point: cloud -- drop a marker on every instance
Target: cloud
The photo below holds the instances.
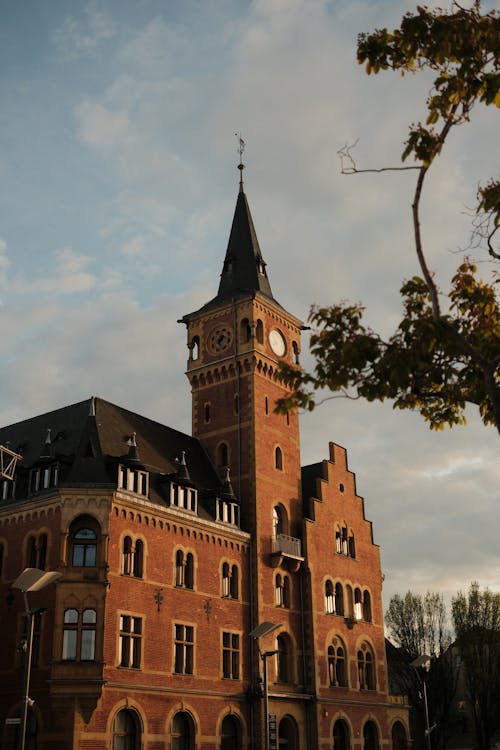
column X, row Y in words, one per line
column 69, row 276
column 78, row 37
column 101, row 127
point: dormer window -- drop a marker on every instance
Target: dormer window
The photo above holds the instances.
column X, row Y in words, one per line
column 44, row 477
column 8, row 489
column 133, row 480
column 185, row 498
column 228, row 512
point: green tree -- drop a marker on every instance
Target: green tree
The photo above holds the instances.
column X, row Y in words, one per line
column 417, row 625
column 476, row 619
column 439, row 358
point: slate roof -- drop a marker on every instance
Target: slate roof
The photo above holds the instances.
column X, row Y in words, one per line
column 90, row 437
column 244, row 271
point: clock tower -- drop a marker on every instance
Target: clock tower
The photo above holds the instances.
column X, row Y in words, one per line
column 236, row 343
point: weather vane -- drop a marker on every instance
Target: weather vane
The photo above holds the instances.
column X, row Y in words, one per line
column 241, row 166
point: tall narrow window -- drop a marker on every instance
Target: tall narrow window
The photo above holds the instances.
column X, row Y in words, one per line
column 231, row 655
column 337, row 672
column 127, row 556
column 137, row 562
column 189, row 571
column 126, row 730
column 370, row 736
column 259, row 332
column 341, row 739
column 183, row 649
column 179, row 568
column 234, row 583
column 266, row 405
column 329, row 598
column 1, row 559
column 183, row 732
column 230, row 733
column 284, row 658
column 366, row 671
column 278, row 591
column 225, row 579
column 367, row 606
column 206, row 412
column 222, row 455
column 339, row 599
column 278, row 458
column 84, row 535
column 130, row 641
column 358, row 604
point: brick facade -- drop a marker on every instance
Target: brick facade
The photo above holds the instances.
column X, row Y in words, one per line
column 147, row 645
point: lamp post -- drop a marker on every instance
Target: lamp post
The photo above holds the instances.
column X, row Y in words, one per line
column 261, row 630
column 31, row 579
column 424, row 662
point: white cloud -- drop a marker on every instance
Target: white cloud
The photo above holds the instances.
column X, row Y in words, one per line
column 69, row 276
column 78, row 37
column 101, row 127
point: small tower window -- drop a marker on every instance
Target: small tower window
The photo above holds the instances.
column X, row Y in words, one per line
column 278, row 458
column 206, row 412
column 266, row 405
column 259, row 332
column 295, row 349
column 194, row 349
column 236, row 404
column 222, row 455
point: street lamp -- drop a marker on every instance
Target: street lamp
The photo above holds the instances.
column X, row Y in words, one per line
column 31, row 579
column 261, row 630
column 424, row 662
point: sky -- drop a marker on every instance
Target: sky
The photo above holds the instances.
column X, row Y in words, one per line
column 118, row 165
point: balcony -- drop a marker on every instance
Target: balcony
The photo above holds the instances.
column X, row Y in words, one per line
column 286, row 548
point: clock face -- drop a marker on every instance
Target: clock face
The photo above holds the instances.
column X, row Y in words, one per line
column 277, row 341
column 219, row 340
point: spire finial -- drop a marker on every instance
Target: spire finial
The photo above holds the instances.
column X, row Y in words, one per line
column 241, row 166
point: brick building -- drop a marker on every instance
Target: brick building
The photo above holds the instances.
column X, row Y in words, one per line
column 174, row 548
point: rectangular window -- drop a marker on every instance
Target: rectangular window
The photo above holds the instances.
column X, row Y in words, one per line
column 184, row 649
column 133, row 480
column 79, row 635
column 130, row 641
column 231, row 655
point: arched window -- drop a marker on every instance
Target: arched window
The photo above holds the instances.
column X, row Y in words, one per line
column 234, row 586
column 399, row 738
column 138, row 560
column 206, row 411
column 222, row 455
column 245, row 331
column 367, row 606
column 278, row 458
column 183, row 733
column 280, row 521
column 230, row 733
column 341, row 739
column 366, row 668
column 339, row 599
column 344, row 542
column 195, row 348
column 127, row 556
column 189, row 572
column 179, row 568
column 358, row 604
column 36, row 551
column 329, row 598
column 284, row 658
column 184, row 569
column 259, row 332
column 288, row 736
column 350, row 601
column 225, row 579
column 337, row 671
column 126, row 730
column 370, row 736
column 84, row 538
column 286, row 592
column 278, row 590
column 295, row 349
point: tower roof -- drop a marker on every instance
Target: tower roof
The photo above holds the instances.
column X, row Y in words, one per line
column 244, row 271
column 244, row 268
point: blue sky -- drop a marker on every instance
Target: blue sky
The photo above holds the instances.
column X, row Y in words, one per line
column 118, row 167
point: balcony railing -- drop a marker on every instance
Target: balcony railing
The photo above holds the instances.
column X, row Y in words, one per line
column 287, row 545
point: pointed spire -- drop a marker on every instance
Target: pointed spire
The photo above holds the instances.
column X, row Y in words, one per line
column 183, row 471
column 47, row 445
column 133, row 453
column 227, row 488
column 244, row 268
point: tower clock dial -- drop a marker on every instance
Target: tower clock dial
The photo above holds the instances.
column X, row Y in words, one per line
column 219, row 339
column 277, row 342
